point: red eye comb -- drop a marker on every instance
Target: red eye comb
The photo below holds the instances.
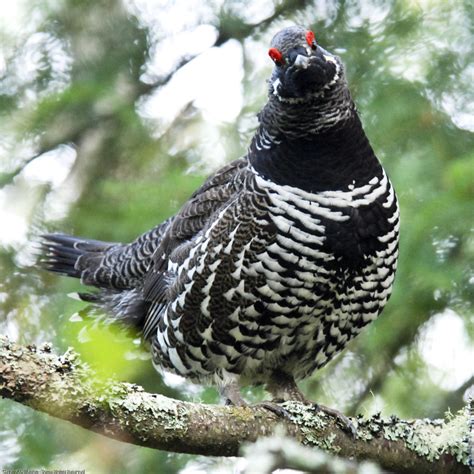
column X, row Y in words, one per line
column 310, row 38
column 276, row 55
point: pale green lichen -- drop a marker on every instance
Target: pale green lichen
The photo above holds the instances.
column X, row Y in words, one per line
column 167, row 413
column 310, row 420
column 432, row 439
column 306, row 415
column 427, row 438
column 363, row 434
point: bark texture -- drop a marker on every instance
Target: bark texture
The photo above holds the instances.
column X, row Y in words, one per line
column 66, row 388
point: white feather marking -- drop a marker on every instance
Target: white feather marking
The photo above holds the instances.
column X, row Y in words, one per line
column 390, row 198
column 217, row 249
column 182, row 296
column 321, row 357
column 270, row 263
column 367, row 317
column 228, row 247
column 204, row 306
column 229, row 294
column 275, row 307
column 161, row 342
column 389, row 281
column 390, row 235
column 172, row 266
column 283, row 252
column 289, row 244
column 176, row 361
column 334, row 332
column 240, row 290
column 207, row 334
column 304, row 293
column 251, row 312
column 395, row 217
column 265, row 290
column 196, row 352
column 275, row 85
column 369, row 285
column 213, row 266
column 276, row 285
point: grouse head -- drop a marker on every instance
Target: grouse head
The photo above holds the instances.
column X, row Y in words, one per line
column 302, row 68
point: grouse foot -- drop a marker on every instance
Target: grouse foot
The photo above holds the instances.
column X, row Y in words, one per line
column 283, row 388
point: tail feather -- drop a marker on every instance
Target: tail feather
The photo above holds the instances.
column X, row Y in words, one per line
column 63, row 254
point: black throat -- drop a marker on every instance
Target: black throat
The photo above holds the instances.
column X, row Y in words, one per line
column 330, row 159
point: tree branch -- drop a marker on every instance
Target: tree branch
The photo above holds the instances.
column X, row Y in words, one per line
column 66, row 388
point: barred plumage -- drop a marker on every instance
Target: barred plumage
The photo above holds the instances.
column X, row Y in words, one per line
column 278, row 260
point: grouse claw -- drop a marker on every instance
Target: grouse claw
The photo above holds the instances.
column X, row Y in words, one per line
column 345, row 423
column 275, row 408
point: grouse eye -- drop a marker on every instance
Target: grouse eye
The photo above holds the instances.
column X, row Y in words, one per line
column 310, row 39
column 276, row 55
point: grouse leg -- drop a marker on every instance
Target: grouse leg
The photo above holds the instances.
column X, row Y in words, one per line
column 283, row 387
column 230, row 392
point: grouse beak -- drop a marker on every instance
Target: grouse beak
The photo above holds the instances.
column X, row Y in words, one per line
column 301, row 62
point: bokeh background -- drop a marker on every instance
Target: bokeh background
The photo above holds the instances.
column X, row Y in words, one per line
column 113, row 112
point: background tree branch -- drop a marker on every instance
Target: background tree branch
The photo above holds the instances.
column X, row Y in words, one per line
column 66, row 388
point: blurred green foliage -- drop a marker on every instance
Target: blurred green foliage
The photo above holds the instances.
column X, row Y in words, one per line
column 81, row 73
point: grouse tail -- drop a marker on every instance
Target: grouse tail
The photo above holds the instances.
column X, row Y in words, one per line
column 74, row 256
column 87, row 259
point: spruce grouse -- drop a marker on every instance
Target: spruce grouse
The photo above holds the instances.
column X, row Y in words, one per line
column 278, row 260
